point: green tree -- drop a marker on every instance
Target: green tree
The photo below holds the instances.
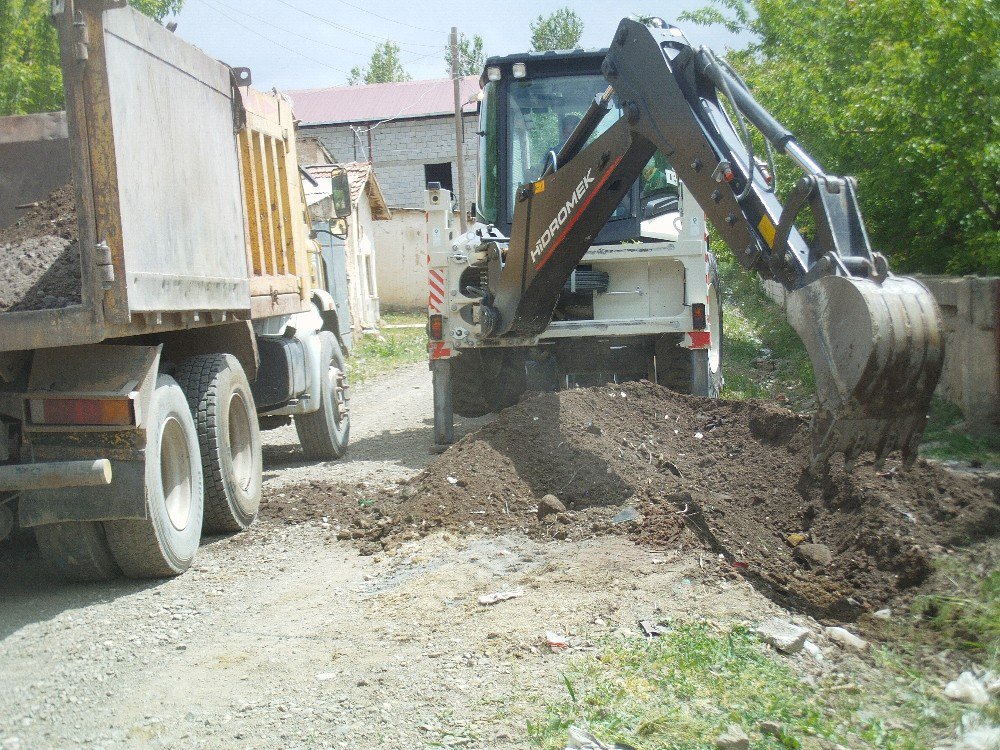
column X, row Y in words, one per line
column 384, row 67
column 30, row 77
column 903, row 94
column 471, row 57
column 558, row 30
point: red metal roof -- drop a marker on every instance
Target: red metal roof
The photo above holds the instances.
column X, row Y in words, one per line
column 380, row 101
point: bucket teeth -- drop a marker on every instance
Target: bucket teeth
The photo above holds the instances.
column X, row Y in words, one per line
column 876, row 352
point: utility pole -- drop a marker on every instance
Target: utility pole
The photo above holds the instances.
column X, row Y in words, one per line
column 463, row 208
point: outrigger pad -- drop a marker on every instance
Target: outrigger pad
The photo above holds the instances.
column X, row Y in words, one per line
column 876, row 351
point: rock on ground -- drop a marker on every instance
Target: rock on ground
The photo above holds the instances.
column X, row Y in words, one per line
column 783, row 635
column 846, row 638
column 734, row 738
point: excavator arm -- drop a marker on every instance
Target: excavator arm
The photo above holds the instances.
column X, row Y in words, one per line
column 873, row 338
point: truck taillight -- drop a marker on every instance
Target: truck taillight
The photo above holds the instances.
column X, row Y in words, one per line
column 435, row 328
column 81, row 411
column 698, row 321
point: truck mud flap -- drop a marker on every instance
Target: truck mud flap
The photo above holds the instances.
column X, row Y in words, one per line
column 117, row 500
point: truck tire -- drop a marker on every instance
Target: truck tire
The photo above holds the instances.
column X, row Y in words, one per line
column 225, row 417
column 77, row 551
column 487, row 380
column 164, row 543
column 325, row 432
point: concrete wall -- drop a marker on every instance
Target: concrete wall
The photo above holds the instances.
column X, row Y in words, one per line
column 362, row 273
column 970, row 306
column 399, row 151
column 401, row 254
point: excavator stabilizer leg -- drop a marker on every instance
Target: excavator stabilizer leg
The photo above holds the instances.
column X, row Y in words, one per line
column 876, row 350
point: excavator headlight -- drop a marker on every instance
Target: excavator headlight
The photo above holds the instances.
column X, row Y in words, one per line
column 519, row 70
column 493, row 73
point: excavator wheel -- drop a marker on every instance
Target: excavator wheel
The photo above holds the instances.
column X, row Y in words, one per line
column 485, row 381
column 696, row 371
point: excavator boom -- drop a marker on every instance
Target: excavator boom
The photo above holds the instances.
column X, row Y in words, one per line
column 874, row 339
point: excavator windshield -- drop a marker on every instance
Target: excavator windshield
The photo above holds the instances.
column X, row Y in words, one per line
column 541, row 115
column 538, row 116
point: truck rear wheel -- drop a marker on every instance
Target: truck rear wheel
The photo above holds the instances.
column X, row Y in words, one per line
column 164, row 543
column 487, row 380
column 77, row 550
column 324, row 433
column 225, row 417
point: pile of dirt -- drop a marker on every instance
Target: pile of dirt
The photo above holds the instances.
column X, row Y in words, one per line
column 40, row 256
column 673, row 470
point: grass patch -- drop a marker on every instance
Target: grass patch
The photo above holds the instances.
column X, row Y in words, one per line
column 964, row 612
column 383, row 351
column 681, row 690
column 943, row 441
column 763, row 357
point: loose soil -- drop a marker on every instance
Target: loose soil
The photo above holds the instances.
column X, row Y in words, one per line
column 40, row 256
column 674, row 471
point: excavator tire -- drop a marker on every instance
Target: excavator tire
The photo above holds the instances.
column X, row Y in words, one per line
column 675, row 366
column 485, row 381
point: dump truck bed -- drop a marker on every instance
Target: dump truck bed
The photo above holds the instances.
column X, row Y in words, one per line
column 188, row 200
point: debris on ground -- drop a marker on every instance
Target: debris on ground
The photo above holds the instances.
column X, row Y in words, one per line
column 744, row 492
column 783, row 635
column 581, row 739
column 555, row 641
column 550, row 505
column 771, row 728
column 734, row 738
column 652, row 629
column 846, row 639
column 500, row 596
column 967, row 689
column 40, row 256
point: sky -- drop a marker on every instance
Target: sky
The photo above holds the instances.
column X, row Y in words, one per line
column 296, row 44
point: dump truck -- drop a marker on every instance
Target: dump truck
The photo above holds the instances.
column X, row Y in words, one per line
column 570, row 268
column 193, row 314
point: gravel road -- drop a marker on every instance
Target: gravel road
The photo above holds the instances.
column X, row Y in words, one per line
column 284, row 638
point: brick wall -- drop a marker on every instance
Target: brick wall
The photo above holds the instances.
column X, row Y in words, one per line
column 400, row 149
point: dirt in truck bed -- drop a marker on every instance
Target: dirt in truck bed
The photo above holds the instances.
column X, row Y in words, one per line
column 40, row 256
column 729, row 477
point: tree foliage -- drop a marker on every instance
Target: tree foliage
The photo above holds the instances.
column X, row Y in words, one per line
column 384, row 67
column 471, row 57
column 561, row 29
column 30, row 77
column 903, row 94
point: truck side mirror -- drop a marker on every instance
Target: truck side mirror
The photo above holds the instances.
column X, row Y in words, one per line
column 340, row 193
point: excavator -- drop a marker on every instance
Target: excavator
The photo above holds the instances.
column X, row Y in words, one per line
column 874, row 339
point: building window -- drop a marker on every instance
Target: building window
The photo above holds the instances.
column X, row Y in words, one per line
column 439, row 173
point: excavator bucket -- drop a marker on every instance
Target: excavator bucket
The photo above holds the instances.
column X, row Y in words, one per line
column 876, row 350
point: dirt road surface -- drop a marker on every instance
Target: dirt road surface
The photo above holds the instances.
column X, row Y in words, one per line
column 285, row 638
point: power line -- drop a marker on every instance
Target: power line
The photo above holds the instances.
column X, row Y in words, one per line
column 289, row 31
column 387, row 18
column 323, row 42
column 276, row 43
column 355, row 32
